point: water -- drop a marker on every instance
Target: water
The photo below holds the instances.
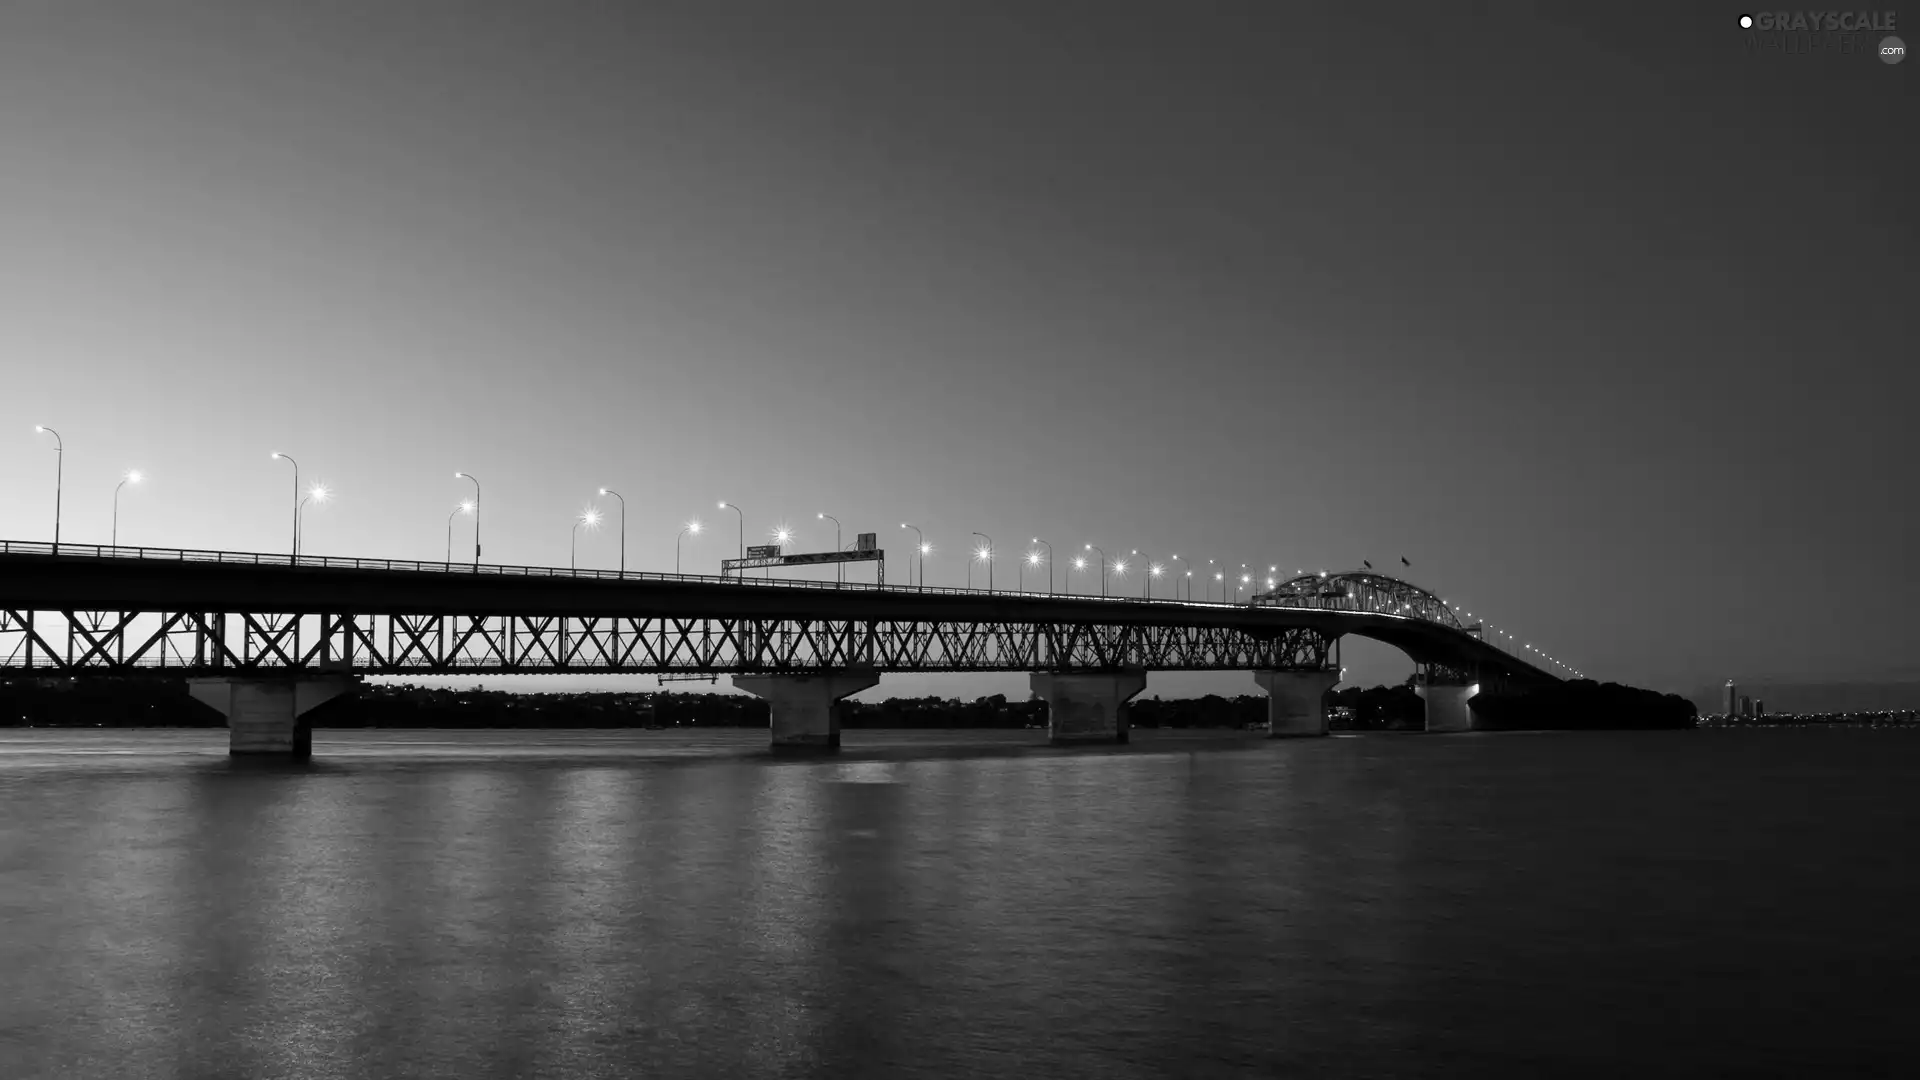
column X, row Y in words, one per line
column 608, row 904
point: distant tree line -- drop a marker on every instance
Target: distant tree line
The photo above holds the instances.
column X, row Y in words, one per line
column 1582, row 704
column 146, row 702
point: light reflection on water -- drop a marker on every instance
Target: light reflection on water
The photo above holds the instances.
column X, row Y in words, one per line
column 619, row 904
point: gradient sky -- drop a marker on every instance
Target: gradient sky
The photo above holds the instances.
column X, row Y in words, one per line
column 1600, row 319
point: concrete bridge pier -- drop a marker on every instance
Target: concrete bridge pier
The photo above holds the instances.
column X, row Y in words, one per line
column 1447, row 706
column 264, row 714
column 1087, row 708
column 805, row 710
column 1296, row 701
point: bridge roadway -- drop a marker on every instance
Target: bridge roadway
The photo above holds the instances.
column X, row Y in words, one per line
column 265, row 638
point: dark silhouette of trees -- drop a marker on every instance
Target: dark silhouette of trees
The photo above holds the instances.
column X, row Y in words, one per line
column 146, row 702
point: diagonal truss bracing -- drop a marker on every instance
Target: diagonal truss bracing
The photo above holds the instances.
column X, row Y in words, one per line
column 68, row 642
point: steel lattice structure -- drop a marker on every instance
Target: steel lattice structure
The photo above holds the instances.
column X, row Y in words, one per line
column 1359, row 592
column 104, row 611
column 198, row 643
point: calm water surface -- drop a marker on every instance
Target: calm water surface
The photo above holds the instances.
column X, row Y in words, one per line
column 639, row 904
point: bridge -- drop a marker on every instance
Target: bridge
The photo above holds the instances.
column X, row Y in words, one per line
column 265, row 638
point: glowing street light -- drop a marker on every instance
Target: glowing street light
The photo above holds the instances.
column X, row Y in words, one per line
column 1176, row 581
column 921, row 548
column 1049, row 548
column 59, row 478
column 840, row 569
column 318, row 494
column 1146, row 579
column 690, row 527
column 476, row 513
column 463, row 508
column 132, row 477
column 1189, row 586
column 296, row 500
column 724, row 505
column 1079, row 564
column 589, row 517
column 623, row 526
column 985, row 555
column 1103, row 568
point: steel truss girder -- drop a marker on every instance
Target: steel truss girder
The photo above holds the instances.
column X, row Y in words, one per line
column 198, row 643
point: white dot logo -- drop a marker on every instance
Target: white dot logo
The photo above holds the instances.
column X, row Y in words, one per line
column 1746, row 22
column 1892, row 50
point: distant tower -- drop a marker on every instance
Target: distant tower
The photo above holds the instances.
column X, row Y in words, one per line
column 1732, row 699
column 1746, row 705
column 1759, row 708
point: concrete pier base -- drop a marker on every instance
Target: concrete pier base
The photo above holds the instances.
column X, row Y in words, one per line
column 1447, row 708
column 264, row 715
column 1087, row 708
column 1296, row 701
column 805, row 710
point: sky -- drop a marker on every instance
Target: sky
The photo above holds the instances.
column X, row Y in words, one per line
column 1602, row 319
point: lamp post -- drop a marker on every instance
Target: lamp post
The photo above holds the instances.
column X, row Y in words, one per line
column 1103, row 568
column 132, row 477
column 987, row 557
column 591, row 519
column 690, row 527
column 296, row 501
column 743, row 528
column 59, row 478
column 921, row 548
column 1189, row 586
column 1147, row 574
column 623, row 527
column 318, row 494
column 840, row 569
column 1049, row 548
column 463, row 508
column 476, row 513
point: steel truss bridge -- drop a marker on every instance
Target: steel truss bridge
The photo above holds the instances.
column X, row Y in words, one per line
column 86, row 610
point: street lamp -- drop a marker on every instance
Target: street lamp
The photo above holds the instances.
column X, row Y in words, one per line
column 463, row 508
column 839, row 568
column 921, row 547
column 589, row 517
column 1176, row 581
column 296, row 501
column 476, row 514
column 1049, row 548
column 984, row 555
column 59, row 478
column 1245, row 579
column 743, row 525
column 1146, row 578
column 132, row 477
column 318, row 494
column 1189, row 586
column 1032, row 559
column 1103, row 568
column 690, row 527
column 623, row 526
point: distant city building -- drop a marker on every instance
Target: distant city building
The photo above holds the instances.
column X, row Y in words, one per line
column 1730, row 701
column 1746, row 705
column 1759, row 708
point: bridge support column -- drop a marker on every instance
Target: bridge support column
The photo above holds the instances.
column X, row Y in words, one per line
column 1447, row 706
column 805, row 709
column 1296, row 701
column 1084, row 708
column 264, row 715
